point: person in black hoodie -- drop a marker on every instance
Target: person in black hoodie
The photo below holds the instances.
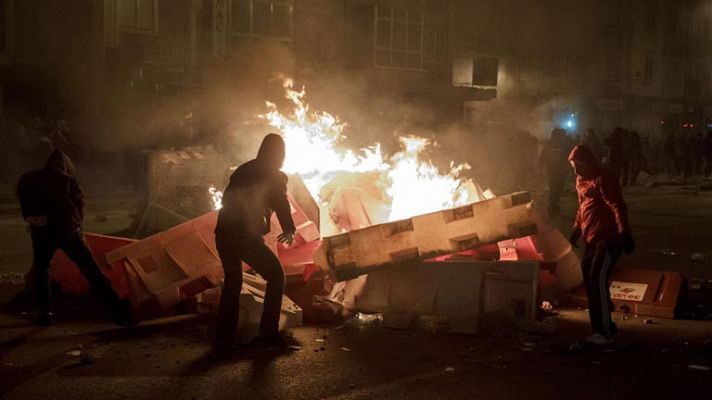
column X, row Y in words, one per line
column 52, row 204
column 553, row 162
column 256, row 190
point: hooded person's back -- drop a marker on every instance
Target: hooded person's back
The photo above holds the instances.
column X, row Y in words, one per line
column 602, row 212
column 256, row 189
column 54, row 193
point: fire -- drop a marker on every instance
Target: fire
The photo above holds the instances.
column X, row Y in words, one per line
column 312, row 140
column 414, row 186
column 418, row 187
column 217, row 197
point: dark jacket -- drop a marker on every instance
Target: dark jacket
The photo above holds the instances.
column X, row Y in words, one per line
column 255, row 191
column 602, row 214
column 54, row 193
column 553, row 156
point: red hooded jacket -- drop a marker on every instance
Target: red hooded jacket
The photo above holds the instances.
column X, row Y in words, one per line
column 602, row 214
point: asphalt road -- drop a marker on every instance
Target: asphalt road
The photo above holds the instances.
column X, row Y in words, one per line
column 167, row 358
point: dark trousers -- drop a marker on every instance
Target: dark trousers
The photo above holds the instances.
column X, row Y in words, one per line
column 625, row 172
column 597, row 265
column 45, row 244
column 261, row 259
column 556, row 187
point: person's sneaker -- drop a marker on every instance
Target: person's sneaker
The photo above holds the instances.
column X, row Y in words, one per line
column 44, row 319
column 598, row 339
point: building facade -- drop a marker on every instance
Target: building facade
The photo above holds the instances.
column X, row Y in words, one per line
column 509, row 63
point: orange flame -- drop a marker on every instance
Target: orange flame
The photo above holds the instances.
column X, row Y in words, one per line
column 415, row 186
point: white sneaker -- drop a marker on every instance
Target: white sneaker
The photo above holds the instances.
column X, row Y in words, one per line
column 598, row 339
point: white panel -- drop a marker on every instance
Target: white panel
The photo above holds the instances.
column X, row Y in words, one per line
column 462, row 68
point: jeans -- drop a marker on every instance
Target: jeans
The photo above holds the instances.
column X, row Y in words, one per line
column 255, row 253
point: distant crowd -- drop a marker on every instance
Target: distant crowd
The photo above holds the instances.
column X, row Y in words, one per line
column 688, row 154
column 626, row 154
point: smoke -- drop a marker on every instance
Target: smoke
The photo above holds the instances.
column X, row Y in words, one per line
column 131, row 98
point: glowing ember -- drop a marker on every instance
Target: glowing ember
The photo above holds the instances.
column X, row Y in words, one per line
column 414, row 186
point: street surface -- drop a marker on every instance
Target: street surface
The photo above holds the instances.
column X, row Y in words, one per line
column 83, row 356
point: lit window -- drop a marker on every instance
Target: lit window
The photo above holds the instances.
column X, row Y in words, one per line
column 261, row 18
column 398, row 39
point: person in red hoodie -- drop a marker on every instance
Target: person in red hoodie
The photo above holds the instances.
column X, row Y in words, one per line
column 602, row 221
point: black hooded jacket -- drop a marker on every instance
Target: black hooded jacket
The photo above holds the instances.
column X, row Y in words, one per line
column 256, row 189
column 54, row 193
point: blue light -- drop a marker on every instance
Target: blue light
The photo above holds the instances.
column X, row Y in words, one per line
column 569, row 122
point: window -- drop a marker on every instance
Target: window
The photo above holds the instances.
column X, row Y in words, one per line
column 261, row 18
column 398, row 41
column 478, row 72
column 138, row 16
column 435, row 46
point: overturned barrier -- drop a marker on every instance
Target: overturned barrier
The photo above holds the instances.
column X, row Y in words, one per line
column 398, row 243
column 167, row 268
column 170, row 267
column 69, row 277
column 459, row 291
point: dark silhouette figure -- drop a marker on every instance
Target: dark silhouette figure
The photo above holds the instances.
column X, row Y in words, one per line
column 697, row 152
column 553, row 162
column 602, row 221
column 669, row 154
column 630, row 161
column 523, row 152
column 616, row 151
column 52, row 204
column 590, row 139
column 256, row 190
column 682, row 154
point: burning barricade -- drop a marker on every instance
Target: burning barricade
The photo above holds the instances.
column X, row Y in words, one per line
column 429, row 265
column 374, row 234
